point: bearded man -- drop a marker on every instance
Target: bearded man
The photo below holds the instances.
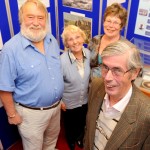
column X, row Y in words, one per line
column 31, row 81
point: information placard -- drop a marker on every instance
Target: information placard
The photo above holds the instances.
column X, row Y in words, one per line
column 142, row 26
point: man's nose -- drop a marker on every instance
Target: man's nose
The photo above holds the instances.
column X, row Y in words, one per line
column 35, row 21
column 109, row 75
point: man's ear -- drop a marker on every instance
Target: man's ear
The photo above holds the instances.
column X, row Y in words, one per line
column 135, row 73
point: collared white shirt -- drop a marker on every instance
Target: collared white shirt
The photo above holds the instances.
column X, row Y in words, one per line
column 80, row 63
column 118, row 107
column 108, row 119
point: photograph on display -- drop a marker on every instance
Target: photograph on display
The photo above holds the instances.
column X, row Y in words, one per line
column 20, row 2
column 83, row 22
column 45, row 2
column 84, row 4
column 142, row 26
column 109, row 2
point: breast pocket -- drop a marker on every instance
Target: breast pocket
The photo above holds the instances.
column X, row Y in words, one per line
column 28, row 68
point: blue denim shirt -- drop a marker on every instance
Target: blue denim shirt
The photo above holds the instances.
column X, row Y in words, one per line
column 33, row 78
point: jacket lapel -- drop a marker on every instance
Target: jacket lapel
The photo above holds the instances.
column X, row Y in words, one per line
column 125, row 125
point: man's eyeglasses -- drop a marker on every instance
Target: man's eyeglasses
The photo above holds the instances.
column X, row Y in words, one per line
column 116, row 72
column 115, row 23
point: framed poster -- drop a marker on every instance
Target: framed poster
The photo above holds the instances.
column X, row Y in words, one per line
column 84, row 4
column 83, row 22
column 139, row 20
column 142, row 26
column 46, row 2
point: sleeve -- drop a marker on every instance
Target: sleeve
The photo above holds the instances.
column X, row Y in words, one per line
column 8, row 71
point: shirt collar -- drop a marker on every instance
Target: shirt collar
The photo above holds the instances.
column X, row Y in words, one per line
column 73, row 58
column 119, row 106
column 26, row 42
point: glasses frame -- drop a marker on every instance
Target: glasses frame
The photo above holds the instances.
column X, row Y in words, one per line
column 103, row 66
column 115, row 23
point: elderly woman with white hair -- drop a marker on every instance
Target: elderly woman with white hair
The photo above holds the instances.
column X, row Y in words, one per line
column 76, row 74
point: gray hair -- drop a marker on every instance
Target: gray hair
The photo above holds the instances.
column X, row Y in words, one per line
column 121, row 47
column 39, row 5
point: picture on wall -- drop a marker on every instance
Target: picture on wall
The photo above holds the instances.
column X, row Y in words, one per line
column 45, row 2
column 109, row 2
column 142, row 26
column 84, row 4
column 83, row 22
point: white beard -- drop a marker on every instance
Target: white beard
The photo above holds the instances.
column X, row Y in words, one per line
column 31, row 33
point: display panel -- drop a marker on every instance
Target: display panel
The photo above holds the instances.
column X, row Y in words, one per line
column 85, row 16
column 83, row 22
column 139, row 17
column 142, row 26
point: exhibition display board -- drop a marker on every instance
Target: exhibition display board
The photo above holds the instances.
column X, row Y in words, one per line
column 88, row 15
column 84, row 14
column 139, row 20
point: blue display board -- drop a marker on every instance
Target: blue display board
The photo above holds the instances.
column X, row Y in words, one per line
column 104, row 5
column 84, row 14
column 4, row 27
column 14, row 14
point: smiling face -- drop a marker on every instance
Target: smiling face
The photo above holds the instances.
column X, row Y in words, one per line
column 34, row 24
column 74, row 41
column 112, row 26
column 117, row 86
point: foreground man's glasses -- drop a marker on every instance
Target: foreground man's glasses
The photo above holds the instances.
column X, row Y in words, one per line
column 116, row 72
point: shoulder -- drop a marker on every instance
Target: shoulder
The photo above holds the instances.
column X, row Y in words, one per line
column 94, row 42
column 137, row 92
column 96, row 39
column 141, row 98
column 13, row 41
column 87, row 51
column 51, row 37
column 96, row 84
column 64, row 56
column 12, row 45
